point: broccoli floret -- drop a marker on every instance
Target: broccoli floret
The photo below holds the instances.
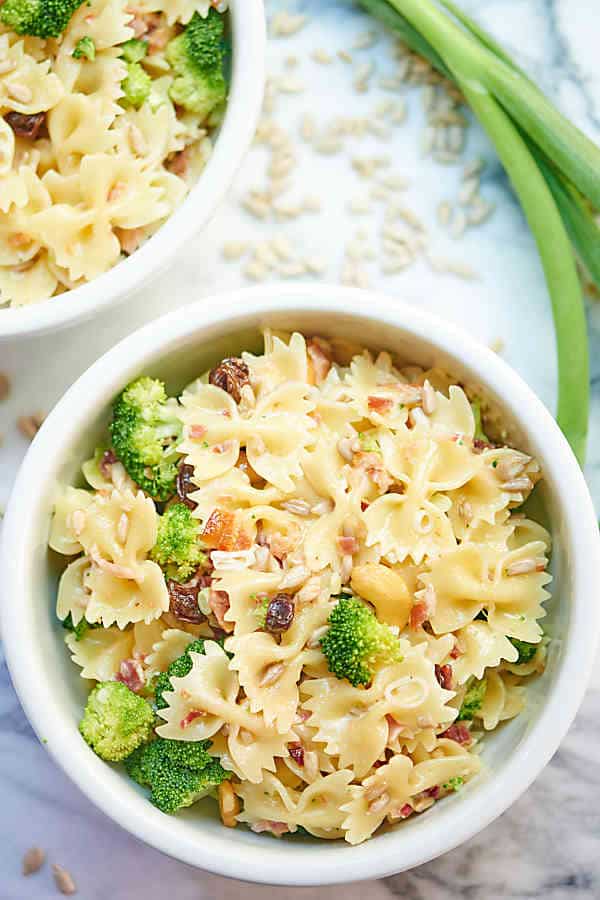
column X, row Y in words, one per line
column 145, row 432
column 115, row 721
column 78, row 630
column 472, row 700
column 177, row 772
column 85, row 48
column 356, row 643
column 178, row 668
column 196, row 57
column 136, row 86
column 177, row 549
column 479, row 434
column 40, row 18
column 526, row 650
column 134, row 50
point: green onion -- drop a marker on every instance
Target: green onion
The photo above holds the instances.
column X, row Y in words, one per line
column 552, row 165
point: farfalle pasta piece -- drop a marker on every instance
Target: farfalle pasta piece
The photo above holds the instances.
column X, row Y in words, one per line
column 27, row 284
column 281, row 361
column 480, row 647
column 244, row 589
column 100, row 651
column 508, row 585
column 26, row 85
column 504, row 698
column 168, row 647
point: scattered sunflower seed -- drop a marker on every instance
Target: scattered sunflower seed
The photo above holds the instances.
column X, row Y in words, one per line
column 30, row 425
column 33, row 860
column 4, row 386
column 64, row 880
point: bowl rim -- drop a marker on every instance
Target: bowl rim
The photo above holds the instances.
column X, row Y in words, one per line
column 236, row 133
column 284, row 863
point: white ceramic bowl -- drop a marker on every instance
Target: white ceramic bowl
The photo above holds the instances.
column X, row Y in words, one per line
column 233, row 139
column 177, row 348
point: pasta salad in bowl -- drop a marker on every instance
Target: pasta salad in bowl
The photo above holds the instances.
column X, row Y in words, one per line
column 301, row 570
column 109, row 111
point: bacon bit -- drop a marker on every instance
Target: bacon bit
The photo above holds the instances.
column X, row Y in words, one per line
column 405, row 811
column 479, row 446
column 444, row 676
column 192, row 716
column 394, row 728
column 347, row 546
column 459, row 733
column 297, row 753
column 129, row 239
column 282, row 544
column 364, row 505
column 179, row 163
column 108, row 459
column 131, row 674
column 433, row 792
column 116, row 191
column 319, row 354
column 455, row 652
column 379, row 405
column 276, row 828
column 219, row 604
column 408, row 394
column 418, row 614
column 303, row 715
column 219, row 532
column 26, row 126
column 372, row 464
column 197, row 432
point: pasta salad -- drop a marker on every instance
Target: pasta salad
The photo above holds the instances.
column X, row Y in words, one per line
column 106, row 111
column 304, row 587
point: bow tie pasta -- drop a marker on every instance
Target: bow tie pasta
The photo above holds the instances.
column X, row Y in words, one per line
column 304, row 586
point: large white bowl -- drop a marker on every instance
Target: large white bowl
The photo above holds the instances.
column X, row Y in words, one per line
column 248, row 35
column 177, row 348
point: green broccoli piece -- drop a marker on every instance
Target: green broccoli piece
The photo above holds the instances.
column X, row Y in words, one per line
column 260, row 610
column 177, row 772
column 356, row 643
column 526, row 650
column 39, row 18
column 145, row 432
column 78, row 630
column 196, row 57
column 472, row 700
column 454, row 784
column 116, row 721
column 178, row 668
column 479, row 434
column 177, row 550
column 134, row 50
column 136, row 86
column 85, row 48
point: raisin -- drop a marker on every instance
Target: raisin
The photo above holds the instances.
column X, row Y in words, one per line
column 280, row 614
column 231, row 375
column 296, row 751
column 183, row 598
column 26, row 126
column 444, row 676
column 185, row 485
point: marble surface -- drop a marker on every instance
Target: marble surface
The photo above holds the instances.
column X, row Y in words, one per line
column 548, row 844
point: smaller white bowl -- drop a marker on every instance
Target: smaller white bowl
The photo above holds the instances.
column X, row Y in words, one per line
column 248, row 34
column 177, row 347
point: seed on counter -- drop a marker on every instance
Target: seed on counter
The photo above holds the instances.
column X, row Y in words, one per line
column 4, row 386
column 33, row 860
column 64, row 880
column 30, row 425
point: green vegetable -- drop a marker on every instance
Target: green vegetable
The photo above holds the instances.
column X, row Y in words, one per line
column 526, row 650
column 40, row 18
column 85, row 48
column 136, row 86
column 368, row 442
column 178, row 669
column 177, row 772
column 479, row 434
column 145, row 431
column 115, row 721
column 134, row 50
column 454, row 784
column 78, row 630
column 177, row 550
column 552, row 165
column 196, row 57
column 356, row 643
column 260, row 611
column 472, row 700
